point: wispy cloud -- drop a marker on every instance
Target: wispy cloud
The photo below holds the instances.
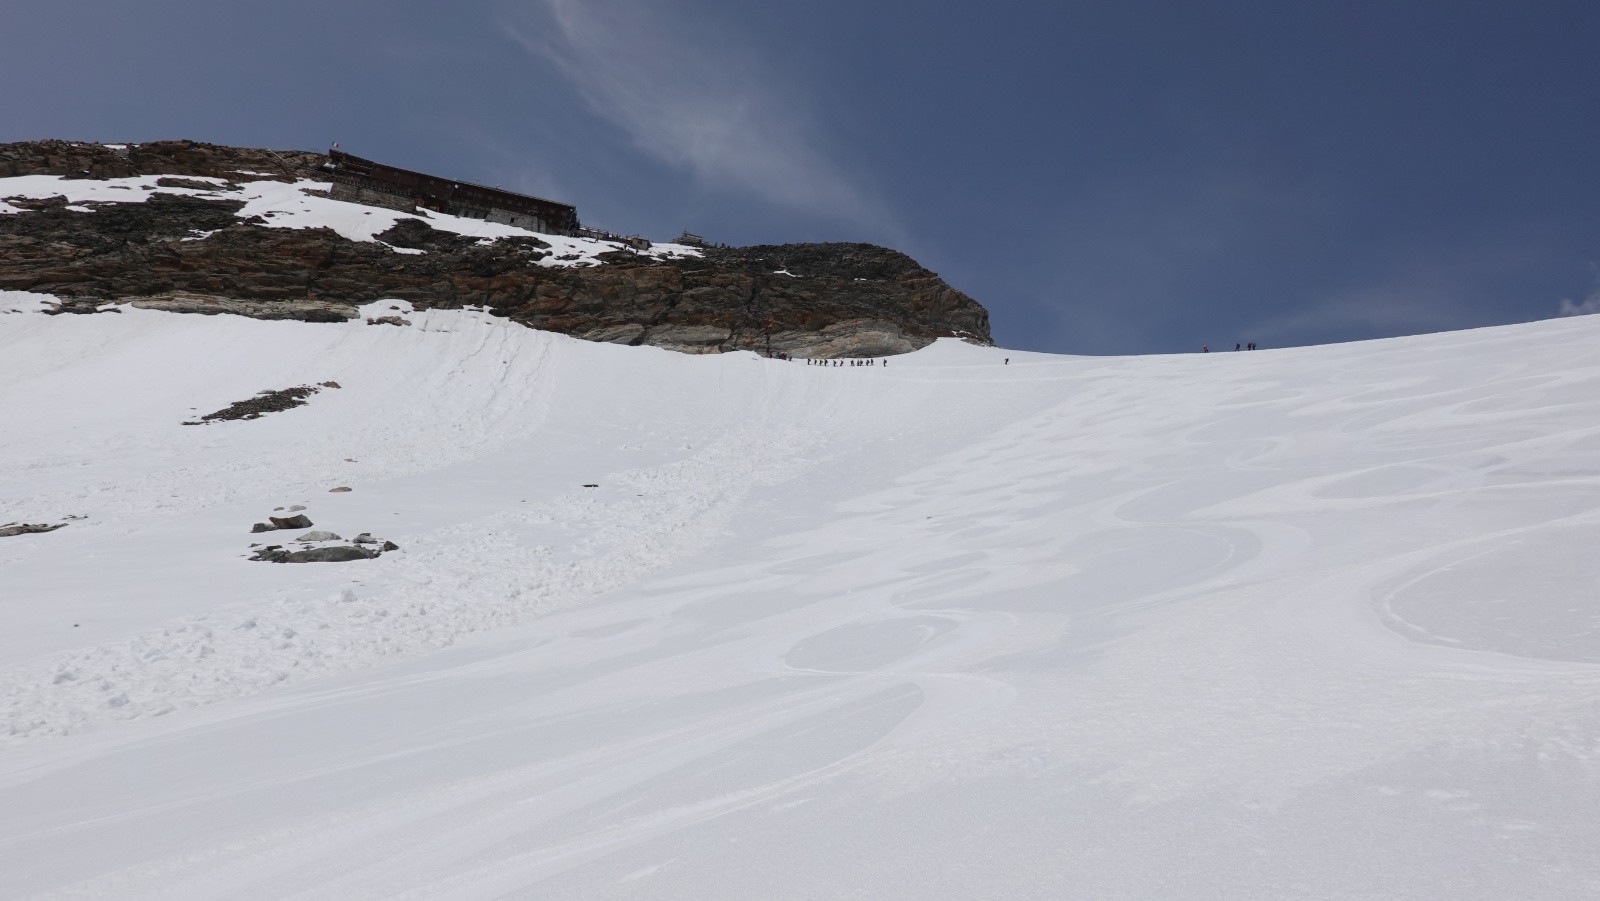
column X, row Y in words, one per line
column 1584, row 307
column 697, row 102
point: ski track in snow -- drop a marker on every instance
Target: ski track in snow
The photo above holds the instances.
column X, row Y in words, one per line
column 468, row 578
column 464, row 578
column 1316, row 623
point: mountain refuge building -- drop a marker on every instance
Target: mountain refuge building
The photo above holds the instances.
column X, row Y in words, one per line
column 372, row 183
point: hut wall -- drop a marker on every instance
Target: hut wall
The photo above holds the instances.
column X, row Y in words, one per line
column 370, row 196
column 364, row 181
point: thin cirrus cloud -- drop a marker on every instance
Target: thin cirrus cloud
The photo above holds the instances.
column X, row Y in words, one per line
column 707, row 109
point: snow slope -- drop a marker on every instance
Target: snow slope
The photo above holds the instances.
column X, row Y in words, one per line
column 1314, row 623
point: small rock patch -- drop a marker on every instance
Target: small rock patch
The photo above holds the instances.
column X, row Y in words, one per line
column 311, row 549
column 28, row 528
column 270, row 401
column 337, row 553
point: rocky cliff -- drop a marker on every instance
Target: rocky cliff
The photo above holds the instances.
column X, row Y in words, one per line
column 183, row 237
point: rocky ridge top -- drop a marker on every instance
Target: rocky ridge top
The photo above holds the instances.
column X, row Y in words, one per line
column 76, row 159
column 190, row 251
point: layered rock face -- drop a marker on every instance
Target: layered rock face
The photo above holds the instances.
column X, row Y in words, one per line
column 73, row 159
column 194, row 254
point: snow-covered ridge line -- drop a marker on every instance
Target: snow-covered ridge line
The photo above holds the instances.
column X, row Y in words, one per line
column 298, row 205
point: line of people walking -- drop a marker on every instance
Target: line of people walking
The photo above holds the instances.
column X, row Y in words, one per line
column 848, row 362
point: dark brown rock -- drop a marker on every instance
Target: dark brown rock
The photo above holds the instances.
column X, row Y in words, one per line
column 820, row 300
column 74, row 159
column 335, row 554
column 298, row 521
column 28, row 528
column 265, row 402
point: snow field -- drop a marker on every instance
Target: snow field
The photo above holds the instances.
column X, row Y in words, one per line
column 1315, row 623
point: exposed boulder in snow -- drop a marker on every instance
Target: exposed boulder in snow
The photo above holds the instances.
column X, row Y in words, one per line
column 297, row 521
column 324, row 547
column 337, row 553
column 27, row 528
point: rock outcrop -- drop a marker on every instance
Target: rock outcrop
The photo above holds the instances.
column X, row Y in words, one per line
column 75, row 159
column 194, row 254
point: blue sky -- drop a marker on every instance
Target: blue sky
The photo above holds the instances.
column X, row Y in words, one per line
column 1113, row 177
